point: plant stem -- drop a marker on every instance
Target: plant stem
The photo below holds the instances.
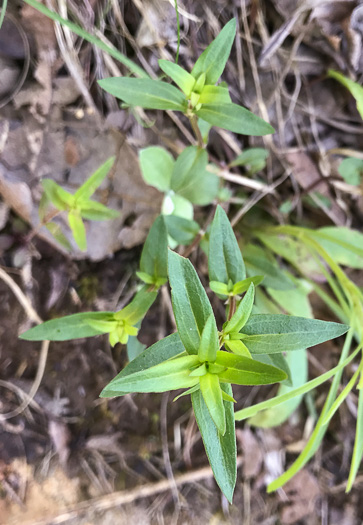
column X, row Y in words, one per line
column 197, row 133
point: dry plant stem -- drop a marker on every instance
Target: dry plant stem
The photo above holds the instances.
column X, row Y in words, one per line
column 110, row 501
column 194, row 124
column 32, row 314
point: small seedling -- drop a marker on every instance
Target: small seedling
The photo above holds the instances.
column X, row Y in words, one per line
column 79, row 205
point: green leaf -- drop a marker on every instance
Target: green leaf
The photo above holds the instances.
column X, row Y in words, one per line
column 344, row 245
column 156, row 167
column 244, row 371
column 209, row 341
column 251, row 157
column 159, row 352
column 212, row 395
column 358, row 444
column 225, row 261
column 190, row 163
column 299, row 391
column 203, row 190
column 59, row 197
column 140, row 304
column 134, row 346
column 351, row 169
column 294, row 251
column 90, row 186
column 78, row 229
column 268, row 334
column 242, row 314
column 214, row 58
column 237, row 347
column 275, row 416
column 182, row 230
column 214, row 95
column 355, row 89
column 190, row 302
column 174, row 204
column 154, row 256
column 242, row 286
column 147, row 93
column 74, row 326
column 169, row 375
column 234, row 118
column 56, row 230
column 221, row 450
column 204, row 127
column 219, row 288
column 95, row 211
column 182, row 78
column 259, row 263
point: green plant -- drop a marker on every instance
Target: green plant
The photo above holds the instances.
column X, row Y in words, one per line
column 249, row 348
column 79, row 205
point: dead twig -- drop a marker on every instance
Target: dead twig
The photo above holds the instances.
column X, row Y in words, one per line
column 32, row 314
column 110, row 501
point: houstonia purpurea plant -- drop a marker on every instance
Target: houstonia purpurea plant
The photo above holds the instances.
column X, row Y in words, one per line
column 79, row 205
column 202, row 359
column 198, row 358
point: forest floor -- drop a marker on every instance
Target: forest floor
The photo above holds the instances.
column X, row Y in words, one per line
column 69, row 456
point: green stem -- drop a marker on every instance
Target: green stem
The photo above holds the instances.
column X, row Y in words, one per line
column 197, row 133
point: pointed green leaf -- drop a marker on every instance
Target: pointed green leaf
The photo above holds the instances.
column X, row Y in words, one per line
column 219, row 288
column 200, row 371
column 159, row 352
column 95, row 211
column 259, row 263
column 205, row 128
column 59, row 197
column 212, row 395
column 78, row 229
column 344, row 245
column 214, row 58
column 355, row 88
column 237, row 347
column 291, row 394
column 250, row 157
column 156, row 167
column 244, row 371
column 267, row 334
column 214, row 95
column 144, row 92
column 275, row 416
column 209, row 346
column 242, row 286
column 191, row 305
column 358, row 444
column 221, row 450
column 182, row 78
column 169, row 375
column 183, row 231
column 243, row 312
column 137, row 309
column 225, row 259
column 56, row 230
column 234, row 118
column 134, row 347
column 154, row 256
column 74, row 326
column 90, row 186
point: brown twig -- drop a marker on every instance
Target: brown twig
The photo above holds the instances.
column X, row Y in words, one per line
column 110, row 501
